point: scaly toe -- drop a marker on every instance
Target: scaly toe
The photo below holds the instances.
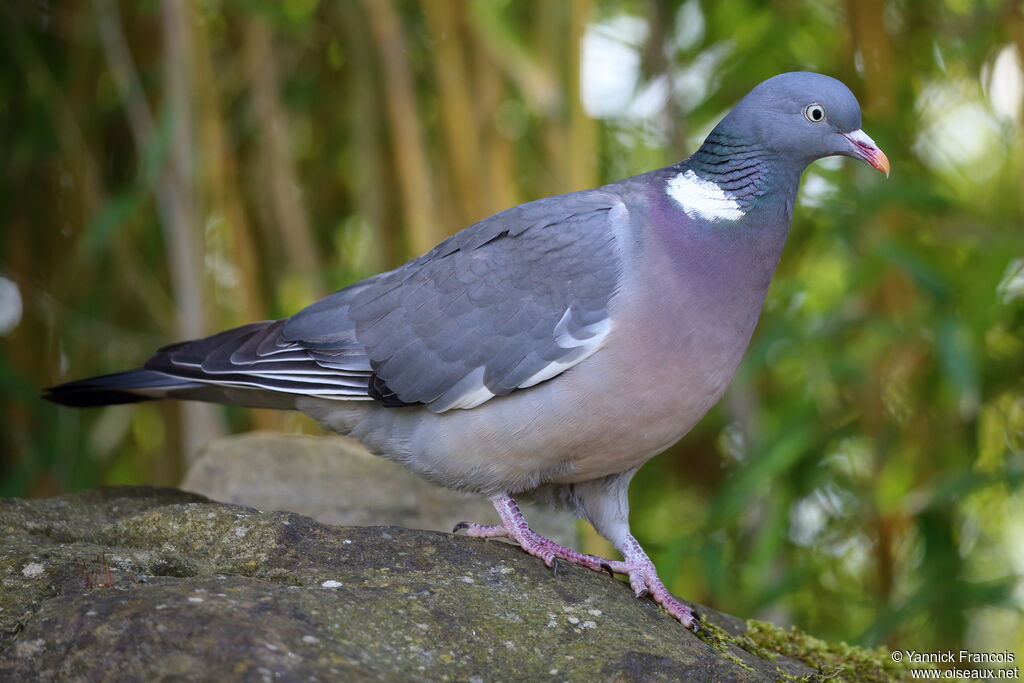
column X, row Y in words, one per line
column 686, row 616
column 638, row 583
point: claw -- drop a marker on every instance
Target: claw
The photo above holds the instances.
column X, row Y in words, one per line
column 460, row 526
column 554, row 566
column 695, row 622
column 607, row 567
column 642, row 593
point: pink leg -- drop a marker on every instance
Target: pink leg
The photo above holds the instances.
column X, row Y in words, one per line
column 515, row 528
column 643, row 578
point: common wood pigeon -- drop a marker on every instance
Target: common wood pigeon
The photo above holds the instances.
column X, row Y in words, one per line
column 548, row 351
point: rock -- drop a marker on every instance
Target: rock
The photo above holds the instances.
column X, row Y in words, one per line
column 129, row 583
column 335, row 480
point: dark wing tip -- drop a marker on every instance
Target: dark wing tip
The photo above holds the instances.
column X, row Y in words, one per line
column 88, row 398
column 106, row 390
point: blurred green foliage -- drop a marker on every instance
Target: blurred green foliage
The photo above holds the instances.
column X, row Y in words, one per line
column 173, row 168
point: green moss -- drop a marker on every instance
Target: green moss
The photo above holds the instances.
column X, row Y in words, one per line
column 724, row 643
column 832, row 660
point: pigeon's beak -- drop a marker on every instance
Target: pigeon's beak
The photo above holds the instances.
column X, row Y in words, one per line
column 865, row 149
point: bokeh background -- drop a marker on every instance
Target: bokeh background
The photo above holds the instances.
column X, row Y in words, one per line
column 173, row 168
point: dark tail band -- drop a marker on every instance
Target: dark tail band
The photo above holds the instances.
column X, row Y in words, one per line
column 120, row 387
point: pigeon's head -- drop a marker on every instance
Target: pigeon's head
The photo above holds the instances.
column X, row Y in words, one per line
column 803, row 117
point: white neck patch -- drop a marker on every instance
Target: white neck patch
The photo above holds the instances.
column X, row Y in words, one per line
column 703, row 199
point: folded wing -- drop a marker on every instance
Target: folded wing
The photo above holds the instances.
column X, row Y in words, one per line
column 510, row 302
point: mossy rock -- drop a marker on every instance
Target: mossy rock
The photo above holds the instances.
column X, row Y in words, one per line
column 155, row 584
column 335, row 480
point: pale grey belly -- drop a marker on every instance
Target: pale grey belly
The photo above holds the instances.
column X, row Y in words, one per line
column 632, row 399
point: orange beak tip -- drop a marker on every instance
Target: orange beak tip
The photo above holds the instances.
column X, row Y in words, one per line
column 881, row 162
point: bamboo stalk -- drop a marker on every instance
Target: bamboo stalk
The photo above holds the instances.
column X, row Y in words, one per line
column 277, row 168
column 407, row 146
column 500, row 186
column 871, row 41
column 200, row 422
column 582, row 158
column 509, row 52
column 178, row 195
column 223, row 196
column 366, row 116
column 658, row 64
column 549, row 25
column 460, row 126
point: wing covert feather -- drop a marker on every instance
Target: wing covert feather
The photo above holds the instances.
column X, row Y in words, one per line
column 477, row 316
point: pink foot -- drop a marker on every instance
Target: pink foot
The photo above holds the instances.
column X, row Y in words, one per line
column 516, row 529
column 643, row 578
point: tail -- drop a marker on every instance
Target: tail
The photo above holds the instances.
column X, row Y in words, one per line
column 253, row 366
column 120, row 387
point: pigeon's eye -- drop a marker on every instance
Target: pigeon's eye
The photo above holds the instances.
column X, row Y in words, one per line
column 815, row 113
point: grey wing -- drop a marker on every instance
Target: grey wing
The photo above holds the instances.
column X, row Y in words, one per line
column 510, row 302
